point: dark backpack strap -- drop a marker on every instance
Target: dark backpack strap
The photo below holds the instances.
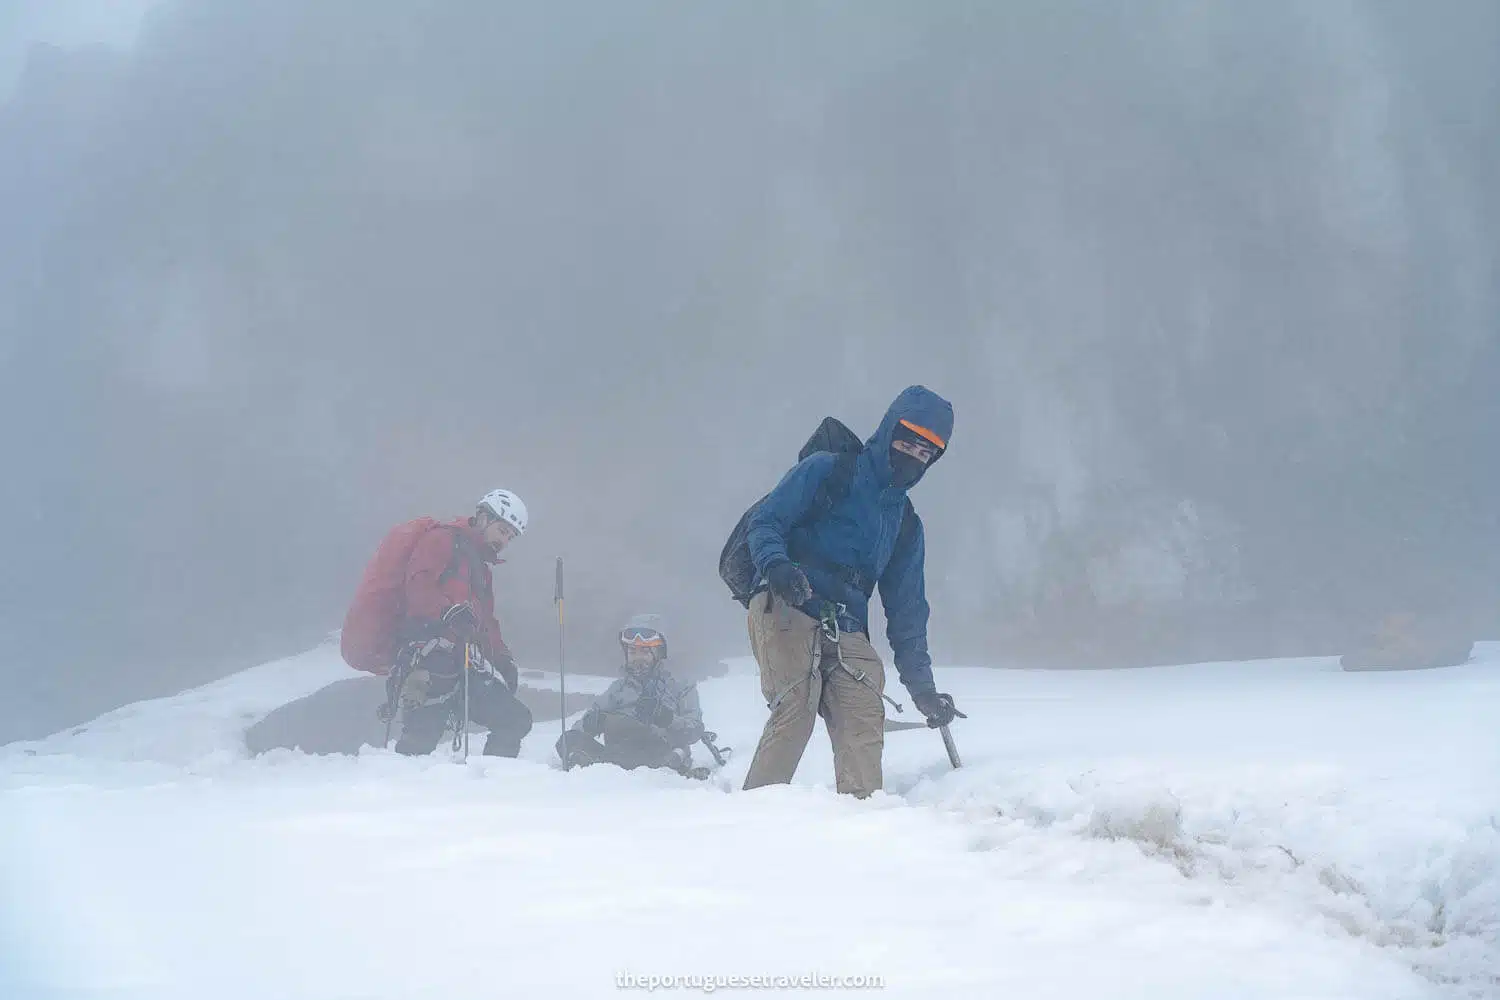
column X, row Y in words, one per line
column 841, row 480
column 451, row 570
column 833, row 490
column 737, row 568
column 908, row 523
column 464, row 551
column 479, row 575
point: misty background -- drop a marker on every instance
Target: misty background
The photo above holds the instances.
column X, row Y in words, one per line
column 1213, row 287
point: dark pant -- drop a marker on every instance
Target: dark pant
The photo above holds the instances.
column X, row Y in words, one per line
column 491, row 705
column 626, row 743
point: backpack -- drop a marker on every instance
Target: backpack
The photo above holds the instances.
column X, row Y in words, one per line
column 371, row 636
column 737, row 568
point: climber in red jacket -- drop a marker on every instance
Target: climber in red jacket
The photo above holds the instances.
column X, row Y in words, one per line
column 426, row 597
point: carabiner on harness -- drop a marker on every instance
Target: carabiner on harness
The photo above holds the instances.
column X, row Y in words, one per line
column 829, row 622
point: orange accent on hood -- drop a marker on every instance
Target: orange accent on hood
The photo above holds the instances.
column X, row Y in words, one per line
column 923, row 432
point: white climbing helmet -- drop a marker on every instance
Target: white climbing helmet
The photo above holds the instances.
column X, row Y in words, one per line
column 507, row 507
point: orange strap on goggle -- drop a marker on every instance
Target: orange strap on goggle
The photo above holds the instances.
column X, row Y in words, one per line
column 923, row 432
column 641, row 637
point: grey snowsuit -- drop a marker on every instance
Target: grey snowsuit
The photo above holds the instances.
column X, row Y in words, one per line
column 646, row 721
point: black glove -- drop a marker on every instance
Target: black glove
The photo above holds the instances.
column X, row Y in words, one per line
column 461, row 622
column 937, row 707
column 788, row 582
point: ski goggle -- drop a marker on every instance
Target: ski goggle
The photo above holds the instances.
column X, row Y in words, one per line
column 641, row 638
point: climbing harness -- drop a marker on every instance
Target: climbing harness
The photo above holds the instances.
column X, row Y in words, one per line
column 829, row 629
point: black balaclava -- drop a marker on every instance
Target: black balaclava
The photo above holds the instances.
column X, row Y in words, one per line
column 906, row 471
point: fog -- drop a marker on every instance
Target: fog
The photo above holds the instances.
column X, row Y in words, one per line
column 1213, row 288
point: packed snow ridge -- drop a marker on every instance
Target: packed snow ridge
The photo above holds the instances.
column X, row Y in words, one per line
column 1267, row 829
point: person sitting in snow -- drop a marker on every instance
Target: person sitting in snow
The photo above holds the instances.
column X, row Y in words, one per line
column 645, row 719
column 449, row 604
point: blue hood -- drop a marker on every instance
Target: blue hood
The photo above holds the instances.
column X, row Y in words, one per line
column 873, row 531
column 921, row 406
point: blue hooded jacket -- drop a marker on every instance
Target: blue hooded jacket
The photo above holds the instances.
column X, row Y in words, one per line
column 861, row 532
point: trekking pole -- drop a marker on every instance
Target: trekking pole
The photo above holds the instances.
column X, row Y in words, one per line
column 471, row 654
column 387, row 711
column 562, row 687
column 461, row 734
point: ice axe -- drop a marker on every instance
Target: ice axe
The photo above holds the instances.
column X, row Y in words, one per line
column 892, row 726
column 720, row 754
column 947, row 735
column 948, row 745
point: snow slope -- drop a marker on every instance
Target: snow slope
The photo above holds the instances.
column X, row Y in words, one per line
column 1269, row 829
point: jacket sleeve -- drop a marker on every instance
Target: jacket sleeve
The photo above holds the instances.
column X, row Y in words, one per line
column 687, row 728
column 776, row 515
column 903, row 593
column 425, row 600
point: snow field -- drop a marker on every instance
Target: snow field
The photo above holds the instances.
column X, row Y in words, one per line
column 1264, row 829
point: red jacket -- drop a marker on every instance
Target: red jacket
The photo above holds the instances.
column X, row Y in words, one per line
column 448, row 568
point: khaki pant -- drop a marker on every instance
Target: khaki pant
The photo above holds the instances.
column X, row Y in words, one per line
column 783, row 641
